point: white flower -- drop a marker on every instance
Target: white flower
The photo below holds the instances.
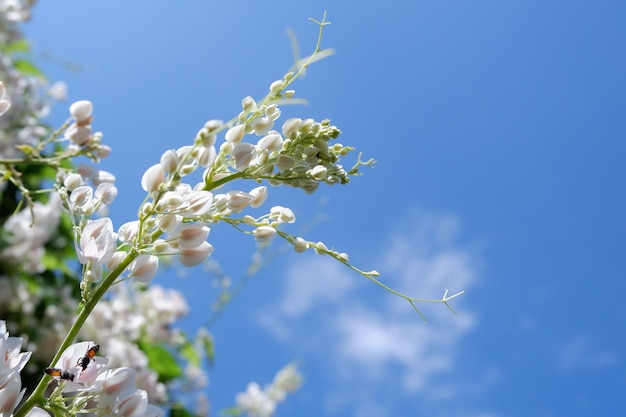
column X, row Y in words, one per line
column 238, row 200
column 128, row 231
column 191, row 236
column 169, row 222
column 11, row 363
column 255, row 402
column 272, row 142
column 169, row 160
column 199, row 202
column 259, row 195
column 81, row 110
column 106, row 193
column 11, row 392
column 97, row 242
column 290, row 127
column 262, row 125
column 152, row 178
column 282, row 214
column 300, row 245
column 144, row 268
column 235, row 134
column 243, row 153
column 263, row 234
column 193, row 256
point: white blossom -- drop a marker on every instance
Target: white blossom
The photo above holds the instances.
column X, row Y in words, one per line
column 144, row 268
column 97, row 242
column 264, row 234
column 193, row 256
column 12, row 361
column 152, row 178
column 81, row 110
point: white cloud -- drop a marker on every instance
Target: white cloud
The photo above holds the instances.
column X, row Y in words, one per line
column 578, row 353
column 374, row 341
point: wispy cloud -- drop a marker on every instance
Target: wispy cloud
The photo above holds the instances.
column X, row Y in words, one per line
column 373, row 340
column 579, row 353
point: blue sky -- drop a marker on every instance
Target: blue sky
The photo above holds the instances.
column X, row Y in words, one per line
column 499, row 129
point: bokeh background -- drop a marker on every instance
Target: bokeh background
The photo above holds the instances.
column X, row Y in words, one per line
column 499, row 130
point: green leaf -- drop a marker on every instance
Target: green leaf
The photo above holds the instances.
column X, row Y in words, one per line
column 232, row 411
column 178, row 410
column 189, row 352
column 27, row 149
column 162, row 361
column 207, row 342
column 18, row 46
column 28, row 68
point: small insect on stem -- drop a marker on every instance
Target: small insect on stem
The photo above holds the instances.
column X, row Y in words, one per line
column 89, row 356
column 56, row 372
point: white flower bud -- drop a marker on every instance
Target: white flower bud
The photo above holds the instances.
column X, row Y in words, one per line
column 263, row 234
column 306, row 125
column 128, row 231
column 238, row 200
column 235, row 134
column 169, row 160
column 259, row 195
column 106, row 192
column 144, row 268
column 272, row 142
column 169, row 222
column 118, row 256
column 103, row 176
column 248, row 219
column 276, row 86
column 243, row 153
column 248, row 105
column 290, row 127
column 80, row 135
column 207, row 156
column 213, row 125
column 193, row 256
column 191, row 236
column 199, row 202
column 103, row 151
column 289, row 93
column 343, row 257
column 73, row 181
column 282, row 214
column 320, row 248
column 152, row 178
column 300, row 245
column 262, row 125
column 318, row 172
column 81, row 196
column 81, row 110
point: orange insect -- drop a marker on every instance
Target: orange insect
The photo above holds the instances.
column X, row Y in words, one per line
column 89, row 356
column 56, row 372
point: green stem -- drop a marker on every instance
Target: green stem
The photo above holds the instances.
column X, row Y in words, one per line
column 37, row 396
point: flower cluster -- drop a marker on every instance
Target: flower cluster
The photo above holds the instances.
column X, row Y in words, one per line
column 129, row 317
column 27, row 232
column 257, row 402
column 93, row 388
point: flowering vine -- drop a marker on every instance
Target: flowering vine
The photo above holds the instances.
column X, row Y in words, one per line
column 173, row 222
